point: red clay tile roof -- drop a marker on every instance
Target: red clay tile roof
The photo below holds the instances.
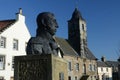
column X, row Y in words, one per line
column 5, row 24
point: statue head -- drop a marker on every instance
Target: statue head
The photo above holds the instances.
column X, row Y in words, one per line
column 46, row 22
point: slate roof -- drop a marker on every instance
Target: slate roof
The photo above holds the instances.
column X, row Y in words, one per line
column 68, row 50
column 76, row 15
column 4, row 24
column 65, row 47
column 112, row 63
column 101, row 64
column 89, row 54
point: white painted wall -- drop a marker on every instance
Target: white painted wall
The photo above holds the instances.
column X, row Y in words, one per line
column 109, row 72
column 17, row 31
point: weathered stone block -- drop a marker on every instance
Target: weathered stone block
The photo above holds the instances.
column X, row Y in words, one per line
column 39, row 67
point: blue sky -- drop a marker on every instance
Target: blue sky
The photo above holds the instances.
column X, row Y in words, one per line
column 102, row 17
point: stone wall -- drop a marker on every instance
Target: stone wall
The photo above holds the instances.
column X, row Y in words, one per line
column 39, row 67
column 59, row 66
column 82, row 72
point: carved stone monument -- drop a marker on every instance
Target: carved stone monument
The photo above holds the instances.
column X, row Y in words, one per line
column 42, row 61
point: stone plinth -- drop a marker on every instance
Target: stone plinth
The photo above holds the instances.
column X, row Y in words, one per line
column 40, row 67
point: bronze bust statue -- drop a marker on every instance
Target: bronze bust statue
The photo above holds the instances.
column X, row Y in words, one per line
column 44, row 42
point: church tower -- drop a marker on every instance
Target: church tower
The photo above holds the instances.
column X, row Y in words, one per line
column 77, row 35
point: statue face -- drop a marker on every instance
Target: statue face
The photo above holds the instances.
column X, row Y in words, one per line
column 52, row 24
column 46, row 22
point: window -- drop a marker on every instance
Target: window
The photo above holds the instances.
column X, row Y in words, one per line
column 84, row 69
column 2, row 42
column 69, row 66
column 95, row 78
column 69, row 77
column 13, row 62
column 94, row 68
column 91, row 78
column 2, row 62
column 101, row 69
column 77, row 66
column 15, row 44
column 61, row 76
column 90, row 67
column 75, row 77
column 84, row 42
column 107, row 69
column 83, row 26
column 1, row 78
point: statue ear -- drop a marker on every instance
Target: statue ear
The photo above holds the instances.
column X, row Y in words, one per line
column 43, row 22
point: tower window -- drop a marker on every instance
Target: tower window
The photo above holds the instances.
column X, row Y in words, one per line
column 83, row 27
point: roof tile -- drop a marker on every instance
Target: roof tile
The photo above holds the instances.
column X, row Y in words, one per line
column 5, row 24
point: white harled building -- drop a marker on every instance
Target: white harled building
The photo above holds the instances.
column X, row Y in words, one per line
column 14, row 36
column 104, row 71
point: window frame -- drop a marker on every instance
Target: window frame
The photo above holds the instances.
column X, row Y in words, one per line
column 107, row 69
column 77, row 67
column 101, row 69
column 1, row 78
column 61, row 76
column 83, row 27
column 12, row 66
column 94, row 67
column 75, row 77
column 3, row 42
column 90, row 67
column 2, row 62
column 15, row 44
column 84, row 68
column 70, row 66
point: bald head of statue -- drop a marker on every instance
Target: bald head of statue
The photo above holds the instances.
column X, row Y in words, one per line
column 46, row 22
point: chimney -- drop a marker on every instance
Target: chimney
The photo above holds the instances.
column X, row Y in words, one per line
column 20, row 11
column 103, row 59
column 20, row 16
